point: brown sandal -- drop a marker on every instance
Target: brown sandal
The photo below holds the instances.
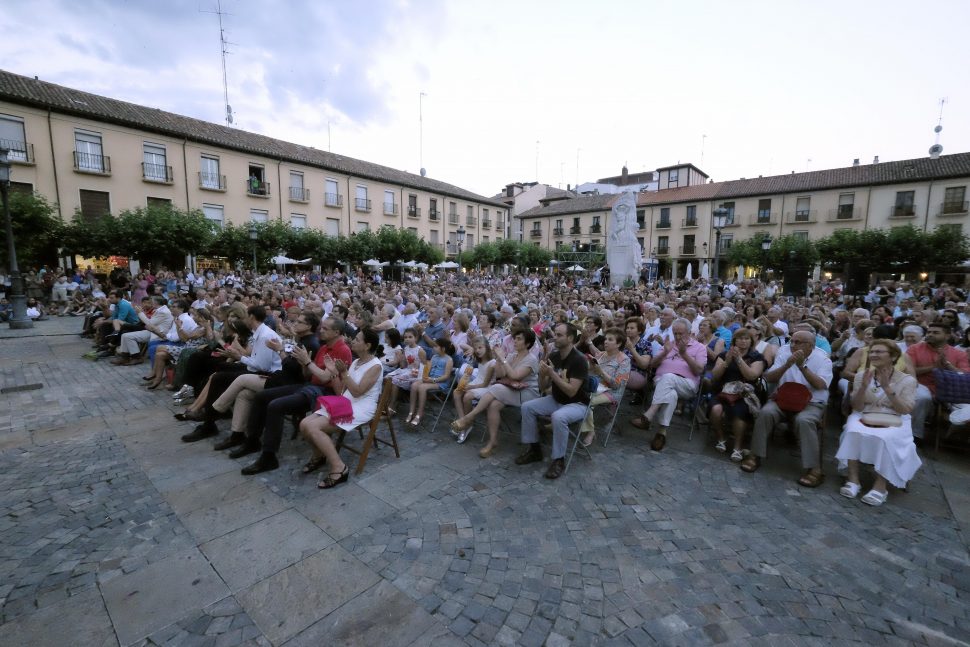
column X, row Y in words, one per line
column 751, row 463
column 812, row 478
column 314, row 464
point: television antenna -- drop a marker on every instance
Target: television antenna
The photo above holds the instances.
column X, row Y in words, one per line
column 224, row 45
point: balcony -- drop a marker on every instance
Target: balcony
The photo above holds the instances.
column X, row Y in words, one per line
column 536, row 233
column 732, row 221
column 212, row 182
column 663, row 251
column 763, row 219
column 558, row 231
column 361, row 204
column 907, row 211
column 257, row 188
column 434, row 214
column 954, row 208
column 688, row 250
column 299, row 194
column 801, row 217
column 471, row 221
column 486, row 224
column 414, row 211
column 159, row 173
column 663, row 224
column 641, row 225
column 390, row 209
column 452, row 218
column 688, row 223
column 595, row 229
column 18, row 152
column 91, row 163
column 333, row 200
column 575, row 229
column 845, row 213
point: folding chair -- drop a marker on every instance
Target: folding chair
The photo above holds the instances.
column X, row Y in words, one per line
column 616, row 409
column 444, row 401
column 372, row 438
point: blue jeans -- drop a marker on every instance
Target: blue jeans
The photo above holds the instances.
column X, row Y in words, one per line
column 562, row 416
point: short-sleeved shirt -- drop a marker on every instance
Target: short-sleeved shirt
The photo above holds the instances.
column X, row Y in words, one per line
column 924, row 355
column 731, row 371
column 337, row 350
column 572, row 366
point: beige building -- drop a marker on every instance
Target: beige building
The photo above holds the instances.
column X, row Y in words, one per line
column 675, row 222
column 95, row 154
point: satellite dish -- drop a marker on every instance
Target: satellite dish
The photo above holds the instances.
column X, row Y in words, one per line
column 935, row 150
column 424, row 172
column 938, row 129
column 228, row 113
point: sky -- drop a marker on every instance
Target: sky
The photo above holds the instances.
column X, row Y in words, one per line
column 559, row 92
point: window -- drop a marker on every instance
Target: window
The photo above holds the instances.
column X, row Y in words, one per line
column 363, row 226
column 154, row 167
column 433, row 238
column 389, row 206
column 802, row 209
column 954, row 199
column 663, row 245
column 209, row 177
column 332, row 196
column 164, row 203
column 596, row 221
column 536, row 227
column 88, row 155
column 641, row 219
column 298, row 221
column 726, row 241
column 664, row 217
column 361, row 203
column 904, row 204
column 640, row 241
column 257, row 184
column 470, row 212
column 12, row 138
column 575, row 227
column 846, row 206
column 452, row 208
column 258, row 215
column 673, row 178
column 413, row 230
column 558, row 227
column 689, row 244
column 469, row 241
column 94, row 204
column 433, row 207
column 485, row 240
column 730, row 212
column 956, row 230
column 691, row 220
column 215, row 213
column 297, row 191
column 800, row 235
column 333, row 227
column 764, row 211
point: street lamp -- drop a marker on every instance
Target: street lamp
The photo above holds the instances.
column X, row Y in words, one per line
column 253, row 236
column 765, row 247
column 461, row 241
column 720, row 221
column 18, row 300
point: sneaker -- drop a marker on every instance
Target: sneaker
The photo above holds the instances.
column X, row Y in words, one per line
column 181, row 392
column 721, row 446
column 737, row 455
column 532, row 454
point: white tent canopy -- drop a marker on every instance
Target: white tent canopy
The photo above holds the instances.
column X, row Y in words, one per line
column 409, row 264
column 373, row 262
column 447, row 265
column 283, row 259
column 422, row 266
column 576, row 268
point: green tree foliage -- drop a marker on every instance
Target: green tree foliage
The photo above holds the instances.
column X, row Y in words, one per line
column 37, row 231
column 786, row 251
column 901, row 249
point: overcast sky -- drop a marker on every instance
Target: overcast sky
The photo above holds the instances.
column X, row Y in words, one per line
column 583, row 87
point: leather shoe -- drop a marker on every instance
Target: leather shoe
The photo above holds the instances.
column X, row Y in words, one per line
column 556, row 468
column 205, row 430
column 658, row 442
column 640, row 423
column 248, row 447
column 532, row 454
column 235, row 438
column 121, row 360
column 264, row 463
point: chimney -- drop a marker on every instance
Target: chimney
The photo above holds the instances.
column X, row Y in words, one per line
column 509, row 191
column 569, row 187
column 875, row 160
column 624, row 175
column 855, row 162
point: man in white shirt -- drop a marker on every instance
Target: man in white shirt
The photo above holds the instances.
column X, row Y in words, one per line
column 661, row 333
column 803, row 363
column 156, row 327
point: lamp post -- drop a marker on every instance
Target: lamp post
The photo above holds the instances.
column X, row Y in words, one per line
column 253, row 236
column 765, row 247
column 461, row 241
column 720, row 220
column 18, row 300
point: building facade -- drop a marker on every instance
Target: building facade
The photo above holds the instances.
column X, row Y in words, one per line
column 676, row 223
column 91, row 155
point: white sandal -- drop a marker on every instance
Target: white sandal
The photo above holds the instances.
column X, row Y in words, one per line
column 721, row 446
column 737, row 456
column 850, row 490
column 875, row 498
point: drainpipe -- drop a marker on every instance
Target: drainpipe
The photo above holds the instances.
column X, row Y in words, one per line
column 926, row 215
column 279, row 186
column 349, row 211
column 865, row 222
column 781, row 219
column 185, row 174
column 57, row 186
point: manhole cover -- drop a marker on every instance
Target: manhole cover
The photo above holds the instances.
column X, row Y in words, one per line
column 22, row 387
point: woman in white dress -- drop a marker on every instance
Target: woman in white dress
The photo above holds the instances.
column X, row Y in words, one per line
column 879, row 432
column 362, row 387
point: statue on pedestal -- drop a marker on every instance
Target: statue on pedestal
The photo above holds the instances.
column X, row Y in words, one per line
column 623, row 253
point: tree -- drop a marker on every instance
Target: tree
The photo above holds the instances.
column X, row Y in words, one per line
column 948, row 246
column 901, row 249
column 37, row 230
column 533, row 256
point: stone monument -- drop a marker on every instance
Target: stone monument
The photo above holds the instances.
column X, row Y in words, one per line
column 623, row 253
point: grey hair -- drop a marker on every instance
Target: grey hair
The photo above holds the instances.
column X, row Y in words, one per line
column 683, row 322
column 913, row 329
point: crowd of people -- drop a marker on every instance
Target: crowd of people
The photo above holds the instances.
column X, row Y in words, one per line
column 742, row 358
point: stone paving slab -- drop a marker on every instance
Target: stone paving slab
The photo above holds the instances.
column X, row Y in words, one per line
column 80, row 620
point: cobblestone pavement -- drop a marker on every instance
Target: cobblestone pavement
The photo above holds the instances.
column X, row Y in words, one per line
column 112, row 532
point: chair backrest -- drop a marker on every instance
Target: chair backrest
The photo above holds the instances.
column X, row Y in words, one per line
column 952, row 387
column 382, row 403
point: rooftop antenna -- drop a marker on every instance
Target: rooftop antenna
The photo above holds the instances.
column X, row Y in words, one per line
column 225, row 50
column 703, row 142
column 936, row 148
column 537, row 160
column 421, row 133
